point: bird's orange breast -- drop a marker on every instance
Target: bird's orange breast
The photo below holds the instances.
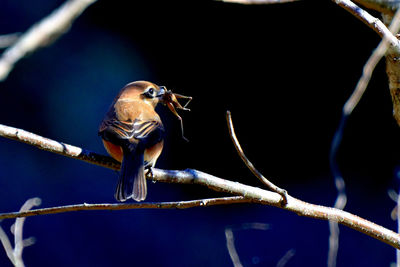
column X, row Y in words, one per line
column 114, row 150
column 151, row 154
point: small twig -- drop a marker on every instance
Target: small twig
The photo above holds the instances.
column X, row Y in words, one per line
column 249, row 165
column 43, row 33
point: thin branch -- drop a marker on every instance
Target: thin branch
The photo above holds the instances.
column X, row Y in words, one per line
column 230, row 239
column 58, row 147
column 15, row 255
column 341, row 198
column 384, row 6
column 351, row 103
column 370, row 65
column 230, row 245
column 129, row 206
column 42, row 34
column 18, row 227
column 7, row 245
column 374, row 23
column 190, row 176
column 249, row 165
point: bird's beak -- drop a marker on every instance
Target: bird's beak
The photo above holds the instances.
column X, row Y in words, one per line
column 163, row 90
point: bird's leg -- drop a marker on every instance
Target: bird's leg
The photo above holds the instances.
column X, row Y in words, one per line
column 149, row 172
column 188, row 98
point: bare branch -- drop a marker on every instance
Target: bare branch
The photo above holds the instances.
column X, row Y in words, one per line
column 15, row 255
column 189, row 176
column 7, row 245
column 230, row 244
column 349, row 106
column 124, row 206
column 374, row 23
column 250, row 165
column 58, row 147
column 19, row 243
column 42, row 34
column 370, row 65
column 384, row 6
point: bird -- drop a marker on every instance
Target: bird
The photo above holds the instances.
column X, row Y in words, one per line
column 133, row 133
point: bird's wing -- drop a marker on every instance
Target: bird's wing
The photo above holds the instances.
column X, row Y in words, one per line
column 139, row 129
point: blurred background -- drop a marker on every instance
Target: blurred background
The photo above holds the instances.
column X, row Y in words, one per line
column 284, row 71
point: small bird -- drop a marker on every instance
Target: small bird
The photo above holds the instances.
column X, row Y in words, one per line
column 132, row 134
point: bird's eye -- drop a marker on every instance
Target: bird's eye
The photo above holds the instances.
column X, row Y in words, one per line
column 149, row 93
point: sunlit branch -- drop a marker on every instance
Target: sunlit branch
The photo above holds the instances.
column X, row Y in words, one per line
column 190, row 176
column 42, row 34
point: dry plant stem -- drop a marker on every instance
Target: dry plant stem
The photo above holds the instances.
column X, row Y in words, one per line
column 246, row 161
column 246, row 193
column 42, row 34
column 374, row 23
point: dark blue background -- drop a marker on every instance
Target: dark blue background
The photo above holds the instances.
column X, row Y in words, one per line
column 283, row 70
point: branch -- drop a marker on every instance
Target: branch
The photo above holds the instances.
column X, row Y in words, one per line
column 249, row 165
column 374, row 23
column 129, row 206
column 42, row 34
column 189, row 176
column 384, row 6
column 58, row 147
column 15, row 255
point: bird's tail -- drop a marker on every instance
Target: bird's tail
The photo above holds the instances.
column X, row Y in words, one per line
column 132, row 182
